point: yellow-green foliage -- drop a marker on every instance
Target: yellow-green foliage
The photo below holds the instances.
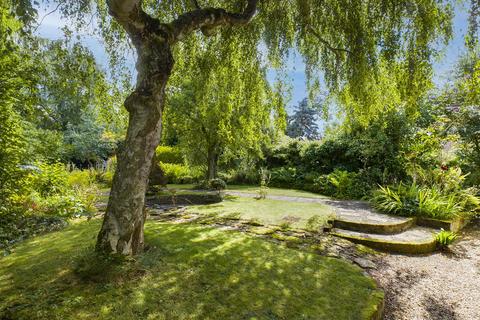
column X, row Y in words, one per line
column 190, row 272
column 176, row 173
column 168, row 154
column 445, row 238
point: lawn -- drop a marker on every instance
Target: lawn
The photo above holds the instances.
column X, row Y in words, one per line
column 253, row 189
column 275, row 191
column 266, row 211
column 190, row 272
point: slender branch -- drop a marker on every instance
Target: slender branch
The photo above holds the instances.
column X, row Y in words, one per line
column 208, row 19
column 335, row 50
column 47, row 14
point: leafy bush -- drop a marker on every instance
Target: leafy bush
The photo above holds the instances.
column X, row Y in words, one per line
column 105, row 175
column 283, row 177
column 342, row 184
column 241, row 175
column 445, row 238
column 176, row 173
column 167, row 154
column 48, row 179
column 213, row 184
column 217, row 184
column 414, row 200
column 82, row 178
column 51, row 195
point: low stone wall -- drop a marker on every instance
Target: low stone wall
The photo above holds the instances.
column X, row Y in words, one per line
column 453, row 225
column 185, row 199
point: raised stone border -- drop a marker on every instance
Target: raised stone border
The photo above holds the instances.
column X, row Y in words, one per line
column 413, row 246
column 454, row 225
column 377, row 228
column 185, row 199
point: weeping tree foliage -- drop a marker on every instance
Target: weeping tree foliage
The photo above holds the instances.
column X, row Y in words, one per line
column 220, row 103
column 345, row 42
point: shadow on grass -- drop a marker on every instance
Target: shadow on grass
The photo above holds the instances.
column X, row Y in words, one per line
column 191, row 272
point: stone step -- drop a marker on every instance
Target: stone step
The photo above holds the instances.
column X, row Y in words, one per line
column 360, row 216
column 368, row 224
column 416, row 240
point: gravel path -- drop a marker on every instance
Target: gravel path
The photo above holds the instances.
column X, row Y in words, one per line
column 437, row 286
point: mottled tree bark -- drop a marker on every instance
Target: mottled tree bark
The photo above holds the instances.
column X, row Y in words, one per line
column 122, row 228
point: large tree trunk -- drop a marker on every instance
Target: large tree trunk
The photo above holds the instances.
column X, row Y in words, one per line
column 122, row 229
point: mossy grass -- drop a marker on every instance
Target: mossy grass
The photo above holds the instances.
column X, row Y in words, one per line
column 189, row 272
column 275, row 191
column 254, row 189
column 267, row 212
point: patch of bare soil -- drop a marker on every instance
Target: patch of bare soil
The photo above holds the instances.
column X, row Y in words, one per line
column 439, row 286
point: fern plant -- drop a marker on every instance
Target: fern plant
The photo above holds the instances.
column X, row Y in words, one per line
column 426, row 201
column 445, row 238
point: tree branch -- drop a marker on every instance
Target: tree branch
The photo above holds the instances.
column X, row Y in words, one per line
column 335, row 50
column 47, row 14
column 122, row 9
column 130, row 15
column 209, row 18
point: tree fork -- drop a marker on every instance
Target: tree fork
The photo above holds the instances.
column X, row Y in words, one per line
column 122, row 228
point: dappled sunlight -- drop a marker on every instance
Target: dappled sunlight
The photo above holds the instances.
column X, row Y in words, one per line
column 267, row 211
column 192, row 272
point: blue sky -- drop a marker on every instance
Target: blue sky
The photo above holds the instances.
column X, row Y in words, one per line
column 52, row 24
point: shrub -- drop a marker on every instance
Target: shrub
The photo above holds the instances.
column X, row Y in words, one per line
column 176, row 173
column 342, row 184
column 167, row 154
column 217, row 184
column 283, row 177
column 445, row 238
column 410, row 200
column 213, row 184
column 81, row 178
column 242, row 175
column 48, row 179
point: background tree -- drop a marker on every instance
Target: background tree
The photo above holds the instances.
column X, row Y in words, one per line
column 304, row 121
column 76, row 108
column 223, row 108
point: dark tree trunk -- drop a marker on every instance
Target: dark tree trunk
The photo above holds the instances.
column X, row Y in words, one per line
column 122, row 229
column 212, row 164
column 157, row 176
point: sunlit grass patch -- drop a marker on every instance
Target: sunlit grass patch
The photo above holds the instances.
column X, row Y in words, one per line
column 190, row 272
column 267, row 211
